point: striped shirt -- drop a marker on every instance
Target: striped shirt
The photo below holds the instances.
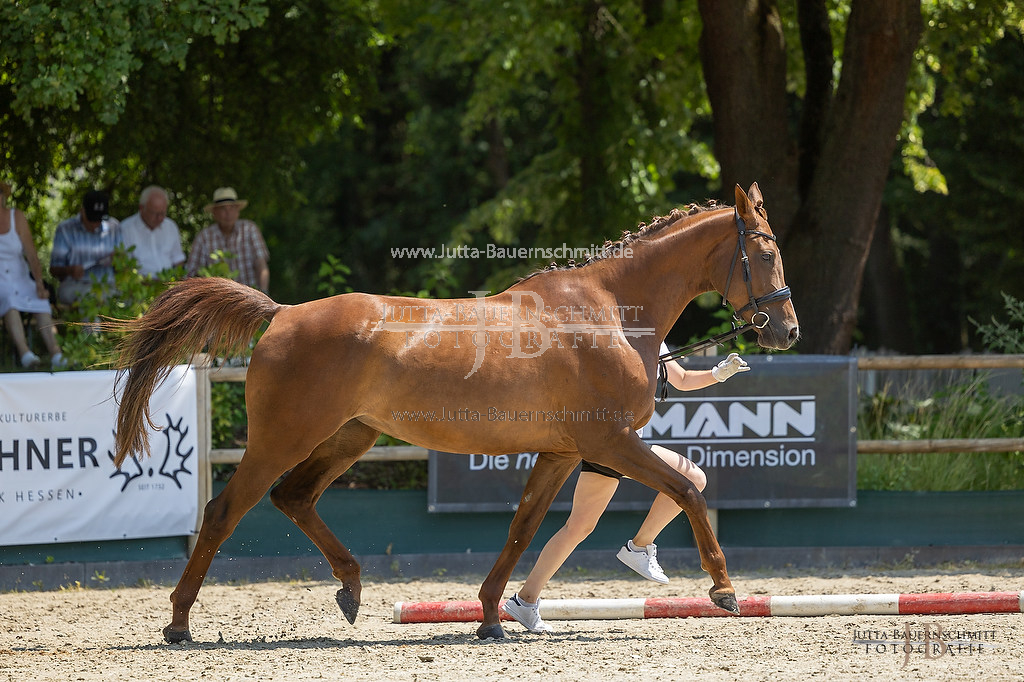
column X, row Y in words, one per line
column 75, row 245
column 242, row 249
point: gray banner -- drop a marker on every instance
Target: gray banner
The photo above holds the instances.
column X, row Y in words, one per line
column 781, row 435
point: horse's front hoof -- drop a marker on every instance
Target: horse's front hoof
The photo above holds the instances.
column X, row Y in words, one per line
column 490, row 632
column 176, row 636
column 726, row 601
column 348, row 603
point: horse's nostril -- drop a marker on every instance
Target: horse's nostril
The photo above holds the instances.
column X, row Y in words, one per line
column 794, row 334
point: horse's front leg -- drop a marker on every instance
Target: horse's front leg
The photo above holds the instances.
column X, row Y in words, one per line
column 636, row 460
column 712, row 559
column 545, row 481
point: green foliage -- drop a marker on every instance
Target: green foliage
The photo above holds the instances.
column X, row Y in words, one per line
column 964, row 410
column 967, row 236
column 582, row 111
column 218, row 266
column 228, row 419
column 1004, row 337
column 66, row 54
column 333, row 276
column 85, row 345
column 353, row 127
column 191, row 95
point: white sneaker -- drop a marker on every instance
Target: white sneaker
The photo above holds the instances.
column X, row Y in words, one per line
column 527, row 614
column 643, row 560
column 29, row 359
column 58, row 361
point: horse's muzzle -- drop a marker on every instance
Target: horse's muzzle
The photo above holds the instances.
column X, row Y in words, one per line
column 778, row 336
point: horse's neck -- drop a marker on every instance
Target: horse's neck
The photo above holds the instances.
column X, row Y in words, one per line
column 669, row 268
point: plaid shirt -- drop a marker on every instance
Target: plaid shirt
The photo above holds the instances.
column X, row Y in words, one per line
column 243, row 248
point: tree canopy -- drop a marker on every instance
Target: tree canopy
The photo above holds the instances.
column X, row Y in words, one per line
column 878, row 130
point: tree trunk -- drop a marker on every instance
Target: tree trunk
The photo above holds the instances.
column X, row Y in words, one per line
column 825, row 245
column 743, row 54
column 886, row 318
column 816, row 42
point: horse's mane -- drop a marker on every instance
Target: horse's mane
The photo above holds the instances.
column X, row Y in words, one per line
column 610, row 248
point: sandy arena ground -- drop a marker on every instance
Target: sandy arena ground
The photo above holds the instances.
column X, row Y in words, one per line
column 294, row 631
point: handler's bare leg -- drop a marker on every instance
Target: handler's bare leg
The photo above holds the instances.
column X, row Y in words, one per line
column 589, row 500
column 544, row 483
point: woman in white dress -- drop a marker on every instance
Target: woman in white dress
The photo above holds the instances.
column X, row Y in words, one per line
column 21, row 286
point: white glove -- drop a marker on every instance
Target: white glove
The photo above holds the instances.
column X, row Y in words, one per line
column 731, row 365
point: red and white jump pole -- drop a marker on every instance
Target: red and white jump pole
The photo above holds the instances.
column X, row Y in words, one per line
column 954, row 603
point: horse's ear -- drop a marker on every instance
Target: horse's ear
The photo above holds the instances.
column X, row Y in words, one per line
column 754, row 194
column 742, row 202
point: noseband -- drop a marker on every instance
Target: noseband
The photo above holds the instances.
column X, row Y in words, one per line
column 738, row 327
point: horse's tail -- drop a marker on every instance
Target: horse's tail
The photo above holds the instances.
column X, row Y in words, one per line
column 219, row 314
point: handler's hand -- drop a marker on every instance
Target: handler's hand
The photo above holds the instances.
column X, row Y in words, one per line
column 731, row 365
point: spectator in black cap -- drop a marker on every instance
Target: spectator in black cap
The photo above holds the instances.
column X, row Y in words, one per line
column 83, row 247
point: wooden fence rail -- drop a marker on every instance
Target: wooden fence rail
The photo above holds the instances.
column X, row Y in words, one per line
column 923, row 362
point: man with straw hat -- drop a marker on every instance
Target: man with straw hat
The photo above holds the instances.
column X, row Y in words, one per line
column 240, row 240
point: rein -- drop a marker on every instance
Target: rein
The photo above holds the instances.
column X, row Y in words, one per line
column 739, row 327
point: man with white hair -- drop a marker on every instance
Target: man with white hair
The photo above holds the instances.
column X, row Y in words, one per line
column 155, row 237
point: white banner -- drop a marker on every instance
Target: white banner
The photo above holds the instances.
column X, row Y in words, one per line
column 58, row 482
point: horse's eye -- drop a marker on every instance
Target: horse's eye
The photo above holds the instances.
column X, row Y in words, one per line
column 766, row 256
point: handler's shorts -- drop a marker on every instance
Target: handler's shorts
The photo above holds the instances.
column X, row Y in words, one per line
column 598, row 469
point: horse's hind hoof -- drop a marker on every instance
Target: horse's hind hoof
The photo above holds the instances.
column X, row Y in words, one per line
column 490, row 632
column 727, row 602
column 348, row 604
column 176, row 636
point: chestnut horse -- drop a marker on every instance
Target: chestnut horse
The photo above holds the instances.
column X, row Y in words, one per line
column 573, row 351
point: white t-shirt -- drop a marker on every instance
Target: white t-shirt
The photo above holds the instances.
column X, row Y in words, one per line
column 155, row 250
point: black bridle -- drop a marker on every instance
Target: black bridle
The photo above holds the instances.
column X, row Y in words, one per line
column 738, row 326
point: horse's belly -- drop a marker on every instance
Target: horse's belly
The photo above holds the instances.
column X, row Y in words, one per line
column 503, row 424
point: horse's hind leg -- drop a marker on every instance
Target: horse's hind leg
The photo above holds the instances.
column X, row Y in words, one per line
column 545, row 481
column 296, row 496
column 220, row 518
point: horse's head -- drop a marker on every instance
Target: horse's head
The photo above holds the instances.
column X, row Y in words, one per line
column 755, row 285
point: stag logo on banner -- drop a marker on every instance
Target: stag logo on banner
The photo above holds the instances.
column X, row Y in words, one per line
column 173, row 463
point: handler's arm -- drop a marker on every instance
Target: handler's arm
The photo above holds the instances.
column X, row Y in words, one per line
column 691, row 380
